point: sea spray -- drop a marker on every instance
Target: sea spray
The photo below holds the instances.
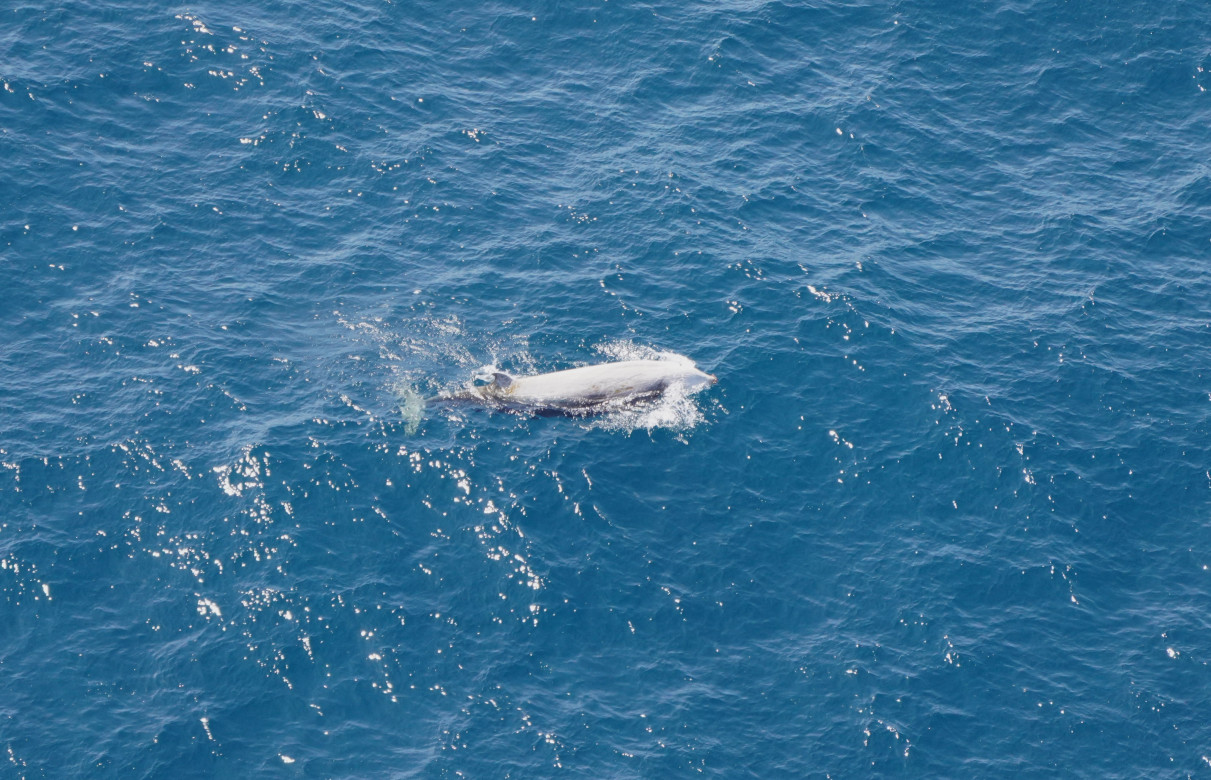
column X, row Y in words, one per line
column 412, row 409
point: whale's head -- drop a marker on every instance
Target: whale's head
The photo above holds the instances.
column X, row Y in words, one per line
column 694, row 379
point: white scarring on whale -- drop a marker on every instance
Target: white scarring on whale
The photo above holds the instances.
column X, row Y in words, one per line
column 584, row 390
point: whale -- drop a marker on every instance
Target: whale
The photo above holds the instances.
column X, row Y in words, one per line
column 586, row 390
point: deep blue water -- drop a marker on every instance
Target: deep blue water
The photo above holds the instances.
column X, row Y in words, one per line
column 946, row 514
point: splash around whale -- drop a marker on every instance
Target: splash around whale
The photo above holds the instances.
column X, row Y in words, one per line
column 586, row 390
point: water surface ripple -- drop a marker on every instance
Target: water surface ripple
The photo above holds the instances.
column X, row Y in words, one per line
column 944, row 515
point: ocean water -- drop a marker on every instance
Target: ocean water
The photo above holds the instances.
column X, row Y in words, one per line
column 947, row 512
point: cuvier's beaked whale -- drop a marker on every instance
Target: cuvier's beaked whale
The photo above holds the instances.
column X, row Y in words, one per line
column 584, row 390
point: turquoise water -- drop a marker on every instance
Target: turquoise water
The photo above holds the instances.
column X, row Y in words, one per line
column 945, row 514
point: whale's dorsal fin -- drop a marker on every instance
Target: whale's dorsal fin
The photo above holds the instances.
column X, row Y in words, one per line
column 501, row 379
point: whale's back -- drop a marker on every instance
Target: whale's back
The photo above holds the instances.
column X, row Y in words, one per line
column 591, row 384
column 584, row 390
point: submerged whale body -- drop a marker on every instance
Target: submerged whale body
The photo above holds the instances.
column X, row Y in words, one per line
column 585, row 390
